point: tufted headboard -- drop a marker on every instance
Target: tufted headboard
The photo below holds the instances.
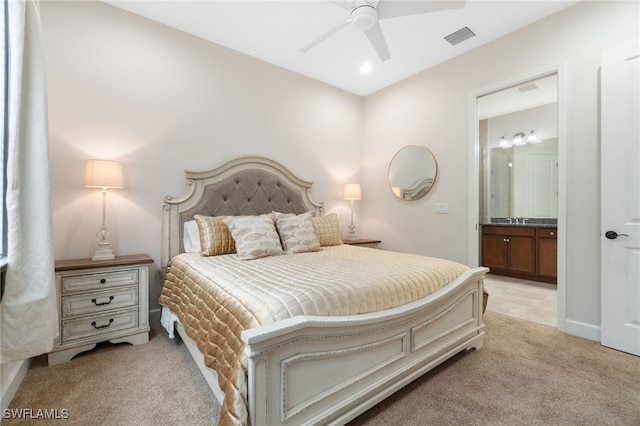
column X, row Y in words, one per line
column 244, row 186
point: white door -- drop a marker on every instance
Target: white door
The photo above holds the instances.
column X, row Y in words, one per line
column 620, row 193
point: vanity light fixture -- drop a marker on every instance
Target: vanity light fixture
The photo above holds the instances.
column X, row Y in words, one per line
column 519, row 139
column 504, row 143
column 105, row 175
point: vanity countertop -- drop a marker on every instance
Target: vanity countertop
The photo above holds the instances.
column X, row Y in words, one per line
column 523, row 225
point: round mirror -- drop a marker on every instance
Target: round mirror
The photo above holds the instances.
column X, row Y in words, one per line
column 412, row 172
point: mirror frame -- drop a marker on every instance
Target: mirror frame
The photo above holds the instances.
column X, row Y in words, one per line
column 435, row 173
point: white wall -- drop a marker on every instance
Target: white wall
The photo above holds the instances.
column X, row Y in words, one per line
column 543, row 119
column 431, row 109
column 160, row 101
column 125, row 88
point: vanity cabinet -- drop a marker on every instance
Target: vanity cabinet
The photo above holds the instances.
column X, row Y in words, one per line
column 527, row 252
column 548, row 253
column 509, row 249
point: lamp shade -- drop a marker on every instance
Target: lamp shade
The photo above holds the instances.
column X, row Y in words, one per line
column 352, row 191
column 103, row 174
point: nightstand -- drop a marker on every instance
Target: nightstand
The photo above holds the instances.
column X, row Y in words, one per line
column 99, row 301
column 363, row 242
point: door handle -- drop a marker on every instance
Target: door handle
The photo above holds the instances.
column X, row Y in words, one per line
column 612, row 235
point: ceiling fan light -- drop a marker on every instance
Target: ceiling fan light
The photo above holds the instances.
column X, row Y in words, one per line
column 364, row 17
column 366, row 68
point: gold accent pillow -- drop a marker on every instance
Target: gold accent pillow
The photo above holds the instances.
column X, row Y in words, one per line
column 255, row 236
column 215, row 237
column 296, row 232
column 327, row 230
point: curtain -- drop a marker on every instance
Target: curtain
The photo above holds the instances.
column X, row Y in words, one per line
column 28, row 311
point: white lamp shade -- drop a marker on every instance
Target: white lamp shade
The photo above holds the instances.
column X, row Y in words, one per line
column 352, row 191
column 103, row 174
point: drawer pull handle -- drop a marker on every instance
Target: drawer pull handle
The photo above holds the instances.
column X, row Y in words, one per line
column 98, row 327
column 102, row 303
column 102, row 281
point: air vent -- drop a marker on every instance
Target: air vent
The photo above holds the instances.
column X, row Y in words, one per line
column 459, row 36
column 527, row 87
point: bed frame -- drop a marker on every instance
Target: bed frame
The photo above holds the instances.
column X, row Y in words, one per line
column 323, row 370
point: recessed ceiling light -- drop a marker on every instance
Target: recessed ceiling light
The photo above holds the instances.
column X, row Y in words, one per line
column 366, row 67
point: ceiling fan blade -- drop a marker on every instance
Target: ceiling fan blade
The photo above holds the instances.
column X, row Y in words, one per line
column 394, row 9
column 324, row 36
column 342, row 3
column 375, row 36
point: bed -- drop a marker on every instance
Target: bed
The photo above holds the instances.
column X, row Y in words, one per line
column 332, row 338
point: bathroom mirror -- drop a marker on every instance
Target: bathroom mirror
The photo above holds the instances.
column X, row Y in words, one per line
column 412, row 172
column 524, row 181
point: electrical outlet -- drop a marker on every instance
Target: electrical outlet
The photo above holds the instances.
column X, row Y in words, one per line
column 442, row 208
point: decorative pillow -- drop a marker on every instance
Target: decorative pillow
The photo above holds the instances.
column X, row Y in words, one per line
column 255, row 236
column 296, row 232
column 215, row 237
column 327, row 230
column 191, row 237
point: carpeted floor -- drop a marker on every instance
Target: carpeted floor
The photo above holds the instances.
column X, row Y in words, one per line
column 526, row 374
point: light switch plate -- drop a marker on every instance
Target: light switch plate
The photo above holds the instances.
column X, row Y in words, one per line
column 442, row 208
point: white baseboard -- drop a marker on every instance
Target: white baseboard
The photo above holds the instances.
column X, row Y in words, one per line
column 584, row 330
column 11, row 376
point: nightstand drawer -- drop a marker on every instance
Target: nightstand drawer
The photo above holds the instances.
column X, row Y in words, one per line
column 99, row 281
column 96, row 325
column 99, row 301
column 105, row 300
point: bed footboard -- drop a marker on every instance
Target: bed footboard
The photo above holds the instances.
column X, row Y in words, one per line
column 328, row 370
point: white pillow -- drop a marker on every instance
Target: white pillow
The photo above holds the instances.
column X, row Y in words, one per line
column 296, row 232
column 191, row 237
column 255, row 236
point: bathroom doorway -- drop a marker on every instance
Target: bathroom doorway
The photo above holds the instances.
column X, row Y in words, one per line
column 517, row 145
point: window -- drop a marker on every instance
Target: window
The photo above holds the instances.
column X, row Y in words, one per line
column 4, row 61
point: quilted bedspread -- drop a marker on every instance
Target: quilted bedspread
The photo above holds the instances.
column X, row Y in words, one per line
column 216, row 298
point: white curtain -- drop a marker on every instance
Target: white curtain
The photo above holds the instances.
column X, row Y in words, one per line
column 28, row 311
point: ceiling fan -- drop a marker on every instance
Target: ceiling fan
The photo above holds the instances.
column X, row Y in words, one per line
column 365, row 14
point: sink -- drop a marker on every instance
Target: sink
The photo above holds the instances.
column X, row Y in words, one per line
column 533, row 221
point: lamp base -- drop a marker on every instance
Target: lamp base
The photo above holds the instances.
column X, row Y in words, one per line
column 351, row 237
column 103, row 252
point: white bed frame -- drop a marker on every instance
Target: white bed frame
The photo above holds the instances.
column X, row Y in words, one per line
column 328, row 370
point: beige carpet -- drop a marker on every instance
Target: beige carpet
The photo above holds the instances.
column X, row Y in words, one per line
column 526, row 374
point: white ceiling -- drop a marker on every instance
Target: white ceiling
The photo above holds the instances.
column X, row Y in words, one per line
column 275, row 31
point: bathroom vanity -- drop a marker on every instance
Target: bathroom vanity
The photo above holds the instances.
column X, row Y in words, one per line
column 521, row 250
